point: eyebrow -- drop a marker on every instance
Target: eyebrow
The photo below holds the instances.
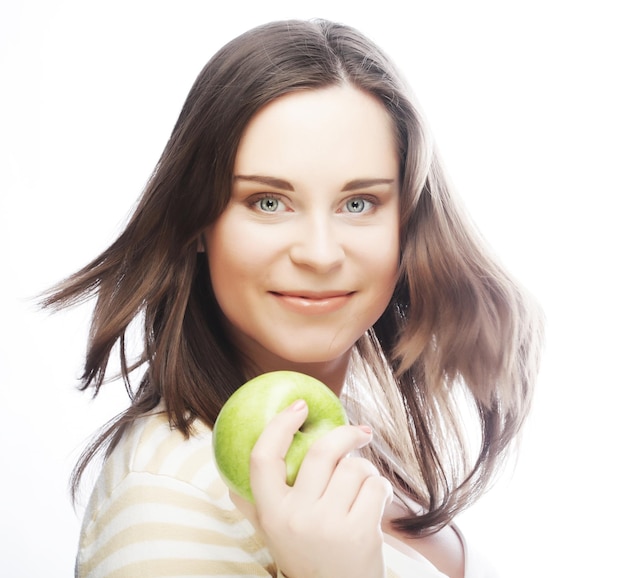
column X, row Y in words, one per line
column 276, row 183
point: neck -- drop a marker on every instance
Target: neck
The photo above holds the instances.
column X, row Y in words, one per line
column 331, row 373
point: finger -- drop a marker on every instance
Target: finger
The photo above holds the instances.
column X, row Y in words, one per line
column 375, row 495
column 323, row 456
column 267, row 459
column 346, row 483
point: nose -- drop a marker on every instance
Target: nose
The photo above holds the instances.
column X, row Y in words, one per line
column 317, row 246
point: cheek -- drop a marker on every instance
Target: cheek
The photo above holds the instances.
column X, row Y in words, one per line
column 238, row 259
column 388, row 270
column 225, row 254
column 381, row 254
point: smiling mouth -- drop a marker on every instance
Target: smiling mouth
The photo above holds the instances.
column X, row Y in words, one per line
column 310, row 303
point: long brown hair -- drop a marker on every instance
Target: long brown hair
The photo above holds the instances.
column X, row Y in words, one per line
column 457, row 327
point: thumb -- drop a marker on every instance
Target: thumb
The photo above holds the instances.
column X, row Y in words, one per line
column 246, row 508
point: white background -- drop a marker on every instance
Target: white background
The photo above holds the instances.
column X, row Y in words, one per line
column 527, row 103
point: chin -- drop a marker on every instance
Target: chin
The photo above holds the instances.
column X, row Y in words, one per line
column 297, row 351
column 310, row 359
column 298, row 360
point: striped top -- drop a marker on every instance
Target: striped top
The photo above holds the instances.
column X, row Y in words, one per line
column 160, row 509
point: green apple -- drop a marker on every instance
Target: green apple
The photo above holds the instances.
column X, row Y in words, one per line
column 246, row 413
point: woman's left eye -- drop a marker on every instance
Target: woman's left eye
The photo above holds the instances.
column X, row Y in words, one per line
column 358, row 205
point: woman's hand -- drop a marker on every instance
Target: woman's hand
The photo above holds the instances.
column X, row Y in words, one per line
column 329, row 522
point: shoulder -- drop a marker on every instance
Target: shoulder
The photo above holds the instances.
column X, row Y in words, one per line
column 155, row 463
column 153, row 447
column 445, row 550
column 158, row 498
column 476, row 564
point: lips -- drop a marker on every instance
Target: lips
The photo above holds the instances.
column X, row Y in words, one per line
column 313, row 302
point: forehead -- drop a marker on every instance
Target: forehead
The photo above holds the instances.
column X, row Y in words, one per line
column 323, row 129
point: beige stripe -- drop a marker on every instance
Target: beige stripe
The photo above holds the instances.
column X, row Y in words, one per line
column 146, row 494
column 168, row 567
column 163, row 451
column 190, row 467
column 153, row 425
column 217, row 490
column 147, row 532
column 118, row 464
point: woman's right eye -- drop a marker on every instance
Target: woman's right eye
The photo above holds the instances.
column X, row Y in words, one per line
column 269, row 204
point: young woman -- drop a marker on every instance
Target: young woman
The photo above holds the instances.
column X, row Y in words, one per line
column 299, row 218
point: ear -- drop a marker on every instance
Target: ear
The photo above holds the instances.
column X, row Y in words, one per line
column 201, row 243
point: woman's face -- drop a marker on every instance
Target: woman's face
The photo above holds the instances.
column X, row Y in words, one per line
column 304, row 258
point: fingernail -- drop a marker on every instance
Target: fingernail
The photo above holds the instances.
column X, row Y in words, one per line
column 365, row 428
column 298, row 405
